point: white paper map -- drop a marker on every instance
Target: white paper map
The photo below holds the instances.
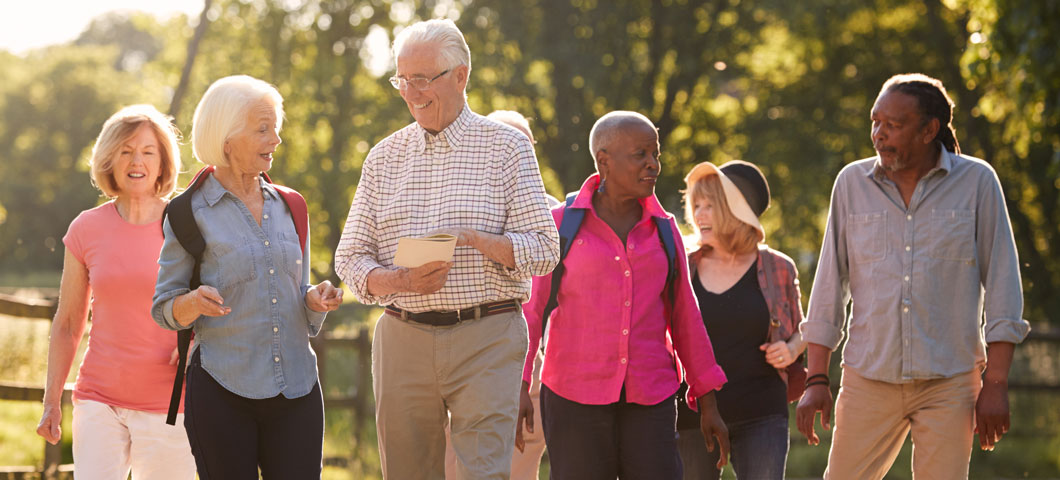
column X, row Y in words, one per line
column 415, row 251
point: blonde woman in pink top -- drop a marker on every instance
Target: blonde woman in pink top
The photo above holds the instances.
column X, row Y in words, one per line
column 110, row 267
column 611, row 361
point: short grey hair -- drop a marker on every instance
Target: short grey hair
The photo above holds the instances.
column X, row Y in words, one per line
column 443, row 33
column 609, row 126
column 513, row 119
column 223, row 111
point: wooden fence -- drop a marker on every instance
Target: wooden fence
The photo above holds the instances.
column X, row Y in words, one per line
column 359, row 402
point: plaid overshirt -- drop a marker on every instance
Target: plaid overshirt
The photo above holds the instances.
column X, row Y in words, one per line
column 475, row 174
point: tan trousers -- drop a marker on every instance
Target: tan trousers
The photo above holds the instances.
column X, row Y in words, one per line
column 872, row 419
column 424, row 375
column 526, row 465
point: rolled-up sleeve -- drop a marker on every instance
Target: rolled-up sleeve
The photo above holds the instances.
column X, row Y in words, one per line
column 175, row 267
column 823, row 324
column 358, row 247
column 529, row 226
column 313, row 318
column 999, row 272
column 702, row 372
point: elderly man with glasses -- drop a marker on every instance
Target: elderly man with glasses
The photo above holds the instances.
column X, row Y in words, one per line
column 452, row 339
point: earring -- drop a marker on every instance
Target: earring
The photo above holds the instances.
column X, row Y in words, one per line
column 600, row 189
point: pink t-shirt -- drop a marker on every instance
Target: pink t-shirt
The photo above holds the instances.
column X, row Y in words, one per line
column 127, row 361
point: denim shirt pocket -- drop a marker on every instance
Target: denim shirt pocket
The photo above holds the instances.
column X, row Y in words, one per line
column 233, row 263
column 951, row 235
column 867, row 234
column 292, row 255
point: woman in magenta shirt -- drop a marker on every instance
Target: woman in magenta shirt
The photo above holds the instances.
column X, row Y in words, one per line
column 611, row 368
column 124, row 382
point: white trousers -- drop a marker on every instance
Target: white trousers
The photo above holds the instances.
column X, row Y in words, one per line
column 109, row 441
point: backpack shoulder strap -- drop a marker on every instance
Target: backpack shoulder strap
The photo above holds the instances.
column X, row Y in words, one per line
column 568, row 229
column 299, row 212
column 187, row 232
column 666, row 236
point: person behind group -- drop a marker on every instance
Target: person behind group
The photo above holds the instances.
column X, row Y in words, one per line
column 452, row 338
column 253, row 399
column 609, row 375
column 918, row 239
column 749, row 297
column 529, row 447
column 110, row 265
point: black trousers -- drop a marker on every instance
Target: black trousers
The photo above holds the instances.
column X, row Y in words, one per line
column 232, row 436
column 622, row 439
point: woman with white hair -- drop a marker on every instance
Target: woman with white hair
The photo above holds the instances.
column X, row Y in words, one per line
column 253, row 399
column 110, row 266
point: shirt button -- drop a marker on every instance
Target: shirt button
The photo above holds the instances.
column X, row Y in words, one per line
column 276, row 359
column 905, row 309
column 275, row 329
column 298, row 262
column 908, row 248
column 908, row 217
column 266, row 216
column 627, row 303
column 907, row 278
column 625, row 331
column 623, row 361
column 617, row 258
column 271, row 271
column 274, row 300
column 627, row 273
column 580, row 241
column 266, row 243
column 631, row 246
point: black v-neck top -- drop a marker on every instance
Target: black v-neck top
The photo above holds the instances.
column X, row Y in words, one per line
column 737, row 322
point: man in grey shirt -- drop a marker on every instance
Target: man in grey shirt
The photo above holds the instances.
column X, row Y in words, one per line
column 918, row 239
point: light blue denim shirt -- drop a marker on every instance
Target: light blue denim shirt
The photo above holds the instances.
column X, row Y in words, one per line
column 930, row 284
column 261, row 349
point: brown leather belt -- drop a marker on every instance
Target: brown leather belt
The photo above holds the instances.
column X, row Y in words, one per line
column 452, row 317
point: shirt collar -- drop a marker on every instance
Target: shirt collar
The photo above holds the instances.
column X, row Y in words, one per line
column 453, row 134
column 212, row 190
column 650, row 205
column 944, row 164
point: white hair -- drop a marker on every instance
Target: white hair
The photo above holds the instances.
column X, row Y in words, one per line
column 452, row 48
column 223, row 111
column 609, row 126
column 514, row 119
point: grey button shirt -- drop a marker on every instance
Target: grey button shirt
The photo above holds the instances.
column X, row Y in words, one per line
column 261, row 349
column 920, row 278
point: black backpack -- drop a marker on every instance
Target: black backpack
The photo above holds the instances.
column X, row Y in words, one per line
column 568, row 229
column 188, row 235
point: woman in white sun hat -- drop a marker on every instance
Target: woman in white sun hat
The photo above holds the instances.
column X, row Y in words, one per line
column 749, row 295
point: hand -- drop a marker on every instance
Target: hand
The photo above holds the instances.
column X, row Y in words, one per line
column 711, row 424
column 778, row 354
column 526, row 415
column 817, row 398
column 206, row 300
column 323, row 297
column 176, row 353
column 465, row 237
column 51, row 421
column 992, row 413
column 428, row 278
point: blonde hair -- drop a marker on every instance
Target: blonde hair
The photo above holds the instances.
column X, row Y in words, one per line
column 733, row 235
column 443, row 33
column 117, row 130
column 223, row 111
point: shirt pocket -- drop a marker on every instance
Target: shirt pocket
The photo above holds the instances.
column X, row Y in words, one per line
column 233, row 263
column 951, row 235
column 291, row 247
column 867, row 233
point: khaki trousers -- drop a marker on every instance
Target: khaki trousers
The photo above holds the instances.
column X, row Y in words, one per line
column 872, row 419
column 425, row 377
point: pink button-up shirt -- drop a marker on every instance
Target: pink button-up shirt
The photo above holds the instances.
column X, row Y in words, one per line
column 610, row 327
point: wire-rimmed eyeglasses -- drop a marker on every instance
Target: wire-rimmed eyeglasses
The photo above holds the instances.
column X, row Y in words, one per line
column 419, row 83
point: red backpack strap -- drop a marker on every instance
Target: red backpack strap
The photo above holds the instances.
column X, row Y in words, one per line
column 299, row 211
